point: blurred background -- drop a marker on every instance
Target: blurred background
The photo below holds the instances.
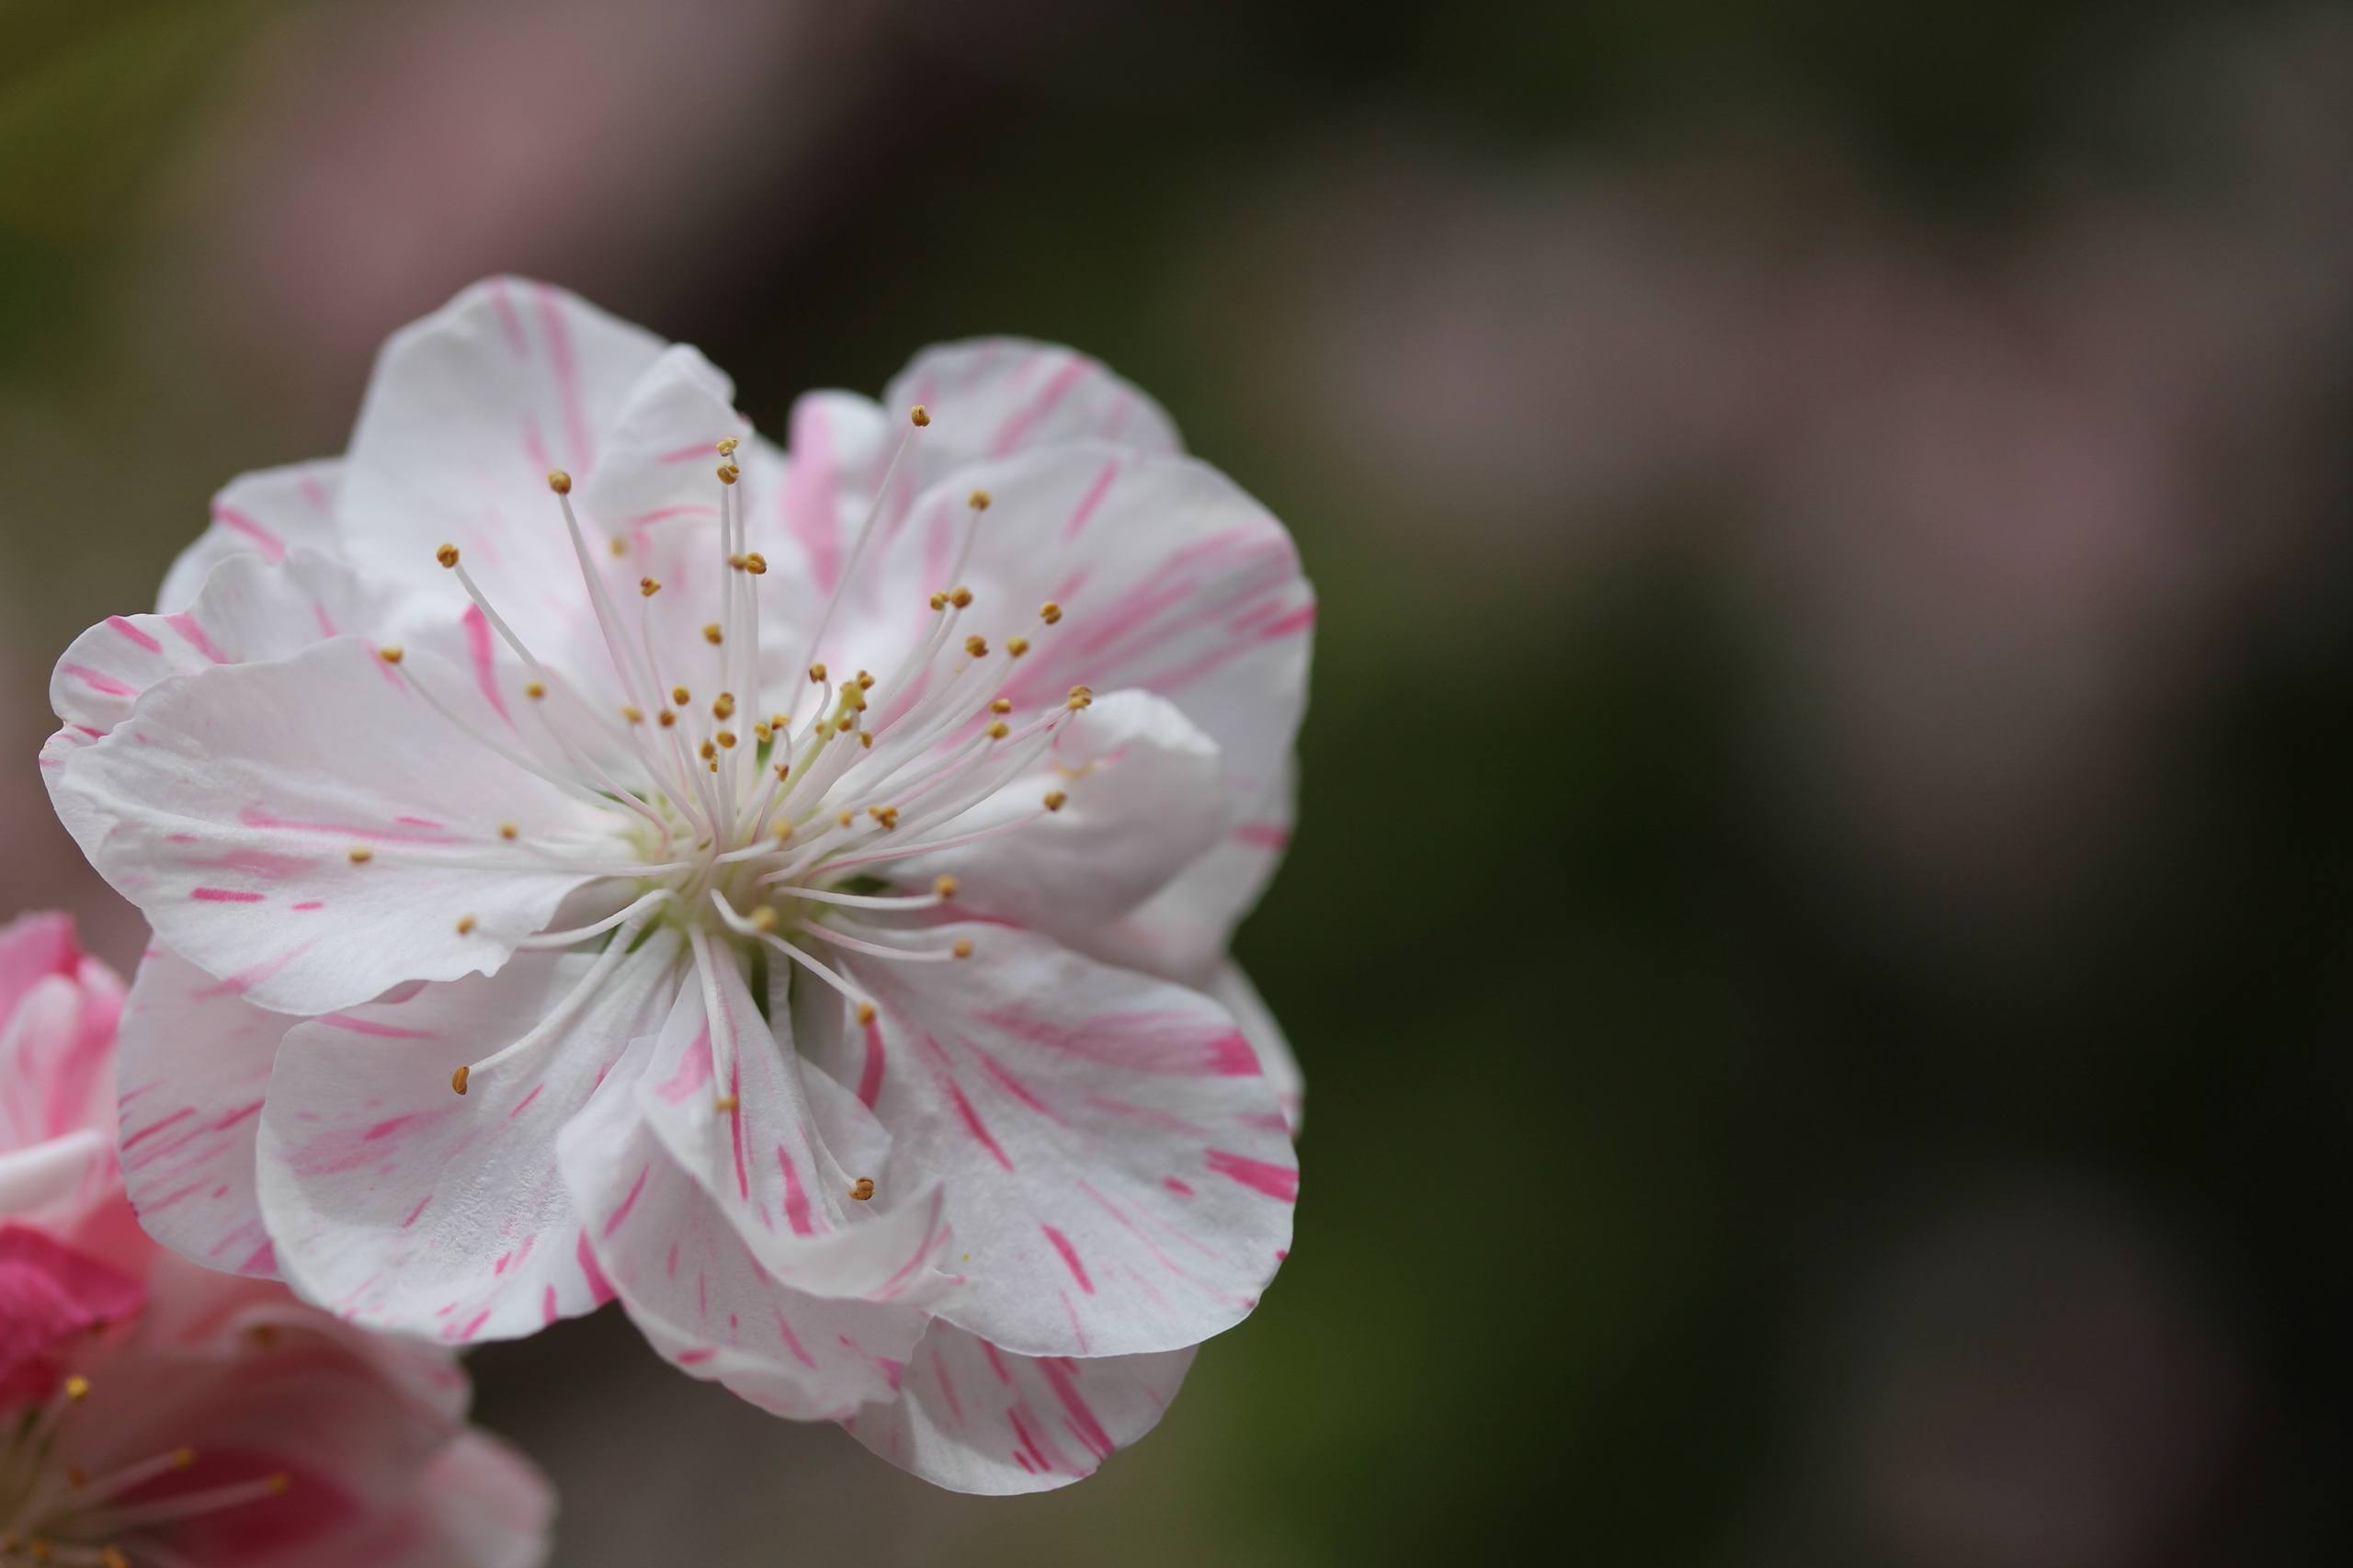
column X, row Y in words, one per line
column 1841, row 1059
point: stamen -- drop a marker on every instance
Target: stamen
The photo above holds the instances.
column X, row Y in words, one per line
column 862, row 1189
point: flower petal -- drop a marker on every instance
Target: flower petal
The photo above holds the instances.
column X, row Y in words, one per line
column 989, row 397
column 691, row 1284
column 1117, row 1169
column 1233, row 991
column 250, row 608
column 480, row 1504
column 760, row 1146
column 401, row 1205
column 467, row 412
column 192, row 1064
column 268, row 514
column 52, row 1298
column 1183, row 930
column 1144, row 801
column 58, row 1009
column 973, row 1418
column 311, row 832
column 1168, row 579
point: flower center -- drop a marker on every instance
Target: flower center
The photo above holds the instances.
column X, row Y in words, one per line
column 780, row 822
column 50, row 1512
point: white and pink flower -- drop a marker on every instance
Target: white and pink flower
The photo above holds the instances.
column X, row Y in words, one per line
column 158, row 1414
column 813, row 875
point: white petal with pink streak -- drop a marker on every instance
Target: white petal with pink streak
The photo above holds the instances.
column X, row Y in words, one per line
column 974, row 1418
column 404, row 1206
column 229, row 806
column 266, row 515
column 466, row 413
column 1118, row 1174
column 691, row 1284
column 193, row 1066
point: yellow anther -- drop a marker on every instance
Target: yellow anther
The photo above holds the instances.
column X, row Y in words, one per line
column 845, row 724
column 77, row 1387
column 978, row 647
column 843, row 819
column 726, row 738
column 729, row 473
column 816, row 674
column 761, row 732
column 634, row 713
column 465, row 925
column 1050, row 612
column 457, row 1079
column 390, row 653
column 706, row 751
column 1054, row 799
column 945, row 887
column 866, row 739
column 681, row 696
column 939, row 601
column 618, row 545
column 963, row 947
column 711, row 634
column 998, row 730
column 863, row 1188
column 726, row 1105
column 649, row 587
column 978, row 500
column 724, row 707
column 784, row 770
column 727, row 448
column 1079, row 699
column 665, row 718
column 920, row 415
column 507, row 830
column 183, row 1458
column 887, row 816
column 960, row 597
column 865, row 1011
column 362, row 855
column 447, row 555
column 865, row 681
column 279, row 1485
column 534, row 690
column 559, row 482
column 756, row 564
column 1016, row 646
column 764, row 919
column 783, row 829
column 1002, row 705
column 1085, row 691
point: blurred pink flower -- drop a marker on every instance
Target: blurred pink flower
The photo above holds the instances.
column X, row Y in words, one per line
column 155, row 1414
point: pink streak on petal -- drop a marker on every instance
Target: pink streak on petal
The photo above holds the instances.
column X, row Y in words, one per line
column 244, row 980
column 258, row 816
column 1039, row 407
column 548, row 1312
column 996, row 1364
column 99, row 681
column 792, row 1342
column 600, row 1289
column 697, row 1357
column 414, row 1212
column 509, row 322
column 1063, row 1375
column 870, row 1078
column 524, row 1104
column 796, row 1197
column 627, row 1203
column 1180, row 1189
column 694, row 1070
column 194, row 636
column 1276, row 1181
column 223, row 895
column 309, row 904
column 1069, row 1258
column 947, row 1387
column 485, row 654
column 567, row 377
column 122, row 627
column 1263, row 835
column 1290, row 625
column 1091, row 500
column 272, row 548
column 1015, row 1087
column 379, row 1031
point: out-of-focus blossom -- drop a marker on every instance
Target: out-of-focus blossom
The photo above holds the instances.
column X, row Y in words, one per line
column 752, row 855
column 1999, row 504
column 155, row 1414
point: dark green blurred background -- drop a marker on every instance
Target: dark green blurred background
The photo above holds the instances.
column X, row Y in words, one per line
column 1818, row 928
